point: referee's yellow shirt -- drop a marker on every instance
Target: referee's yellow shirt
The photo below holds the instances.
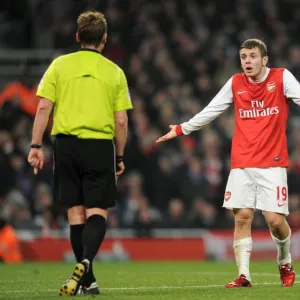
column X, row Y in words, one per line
column 86, row 89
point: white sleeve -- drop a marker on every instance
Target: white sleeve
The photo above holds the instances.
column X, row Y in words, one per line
column 291, row 86
column 217, row 106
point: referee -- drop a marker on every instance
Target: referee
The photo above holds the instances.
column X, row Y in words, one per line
column 90, row 97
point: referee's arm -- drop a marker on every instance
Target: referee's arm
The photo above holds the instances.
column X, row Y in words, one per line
column 36, row 155
column 41, row 120
column 121, row 128
column 46, row 91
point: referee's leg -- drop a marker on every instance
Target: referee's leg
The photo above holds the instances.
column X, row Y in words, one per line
column 98, row 184
column 77, row 219
column 92, row 238
column 87, row 240
column 87, row 231
column 68, row 191
column 88, row 228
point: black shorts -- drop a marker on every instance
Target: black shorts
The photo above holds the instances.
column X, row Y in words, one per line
column 84, row 172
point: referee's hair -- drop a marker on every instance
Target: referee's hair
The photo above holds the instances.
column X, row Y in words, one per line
column 91, row 27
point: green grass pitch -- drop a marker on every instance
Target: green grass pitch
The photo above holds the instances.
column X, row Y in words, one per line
column 149, row 280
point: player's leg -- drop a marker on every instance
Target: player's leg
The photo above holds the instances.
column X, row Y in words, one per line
column 242, row 240
column 281, row 235
column 240, row 197
column 273, row 200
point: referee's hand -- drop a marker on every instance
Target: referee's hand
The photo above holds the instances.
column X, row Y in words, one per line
column 36, row 159
column 120, row 168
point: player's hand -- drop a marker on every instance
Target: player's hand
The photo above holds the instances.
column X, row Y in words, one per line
column 170, row 135
column 36, row 159
column 120, row 168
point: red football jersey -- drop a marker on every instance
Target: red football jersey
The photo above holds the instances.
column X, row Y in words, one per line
column 261, row 111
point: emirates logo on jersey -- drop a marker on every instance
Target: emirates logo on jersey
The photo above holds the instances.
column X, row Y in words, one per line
column 258, row 110
column 271, row 86
column 227, row 196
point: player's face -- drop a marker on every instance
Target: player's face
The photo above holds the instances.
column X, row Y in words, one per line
column 252, row 62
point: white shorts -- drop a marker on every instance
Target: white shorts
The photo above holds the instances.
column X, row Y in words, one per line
column 258, row 188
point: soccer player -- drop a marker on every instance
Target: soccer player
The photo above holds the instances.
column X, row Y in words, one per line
column 90, row 98
column 259, row 155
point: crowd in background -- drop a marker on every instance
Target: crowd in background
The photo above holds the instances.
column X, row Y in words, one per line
column 176, row 54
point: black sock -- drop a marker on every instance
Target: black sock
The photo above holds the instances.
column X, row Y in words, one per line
column 92, row 237
column 76, row 240
column 89, row 278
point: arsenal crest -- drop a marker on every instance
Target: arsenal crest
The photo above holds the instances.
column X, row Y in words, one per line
column 227, row 195
column 271, row 86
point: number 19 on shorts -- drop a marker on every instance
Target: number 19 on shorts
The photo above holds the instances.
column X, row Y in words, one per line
column 281, row 193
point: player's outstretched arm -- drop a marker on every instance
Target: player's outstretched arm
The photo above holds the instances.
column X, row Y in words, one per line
column 291, row 86
column 216, row 107
column 173, row 133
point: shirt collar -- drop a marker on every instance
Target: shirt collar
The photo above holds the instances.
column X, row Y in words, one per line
column 261, row 79
column 88, row 49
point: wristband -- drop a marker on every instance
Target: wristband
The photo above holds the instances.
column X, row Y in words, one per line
column 36, row 146
column 119, row 158
column 178, row 130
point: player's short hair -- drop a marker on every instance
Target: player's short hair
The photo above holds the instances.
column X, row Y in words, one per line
column 253, row 43
column 91, row 27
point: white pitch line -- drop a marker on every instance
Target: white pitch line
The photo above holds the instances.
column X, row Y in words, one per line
column 186, row 287
column 212, row 273
column 150, row 288
column 228, row 273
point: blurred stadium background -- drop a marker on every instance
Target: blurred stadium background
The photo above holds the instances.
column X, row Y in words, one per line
column 176, row 54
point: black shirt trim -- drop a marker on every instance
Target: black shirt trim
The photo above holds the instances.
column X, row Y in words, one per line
column 87, row 49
